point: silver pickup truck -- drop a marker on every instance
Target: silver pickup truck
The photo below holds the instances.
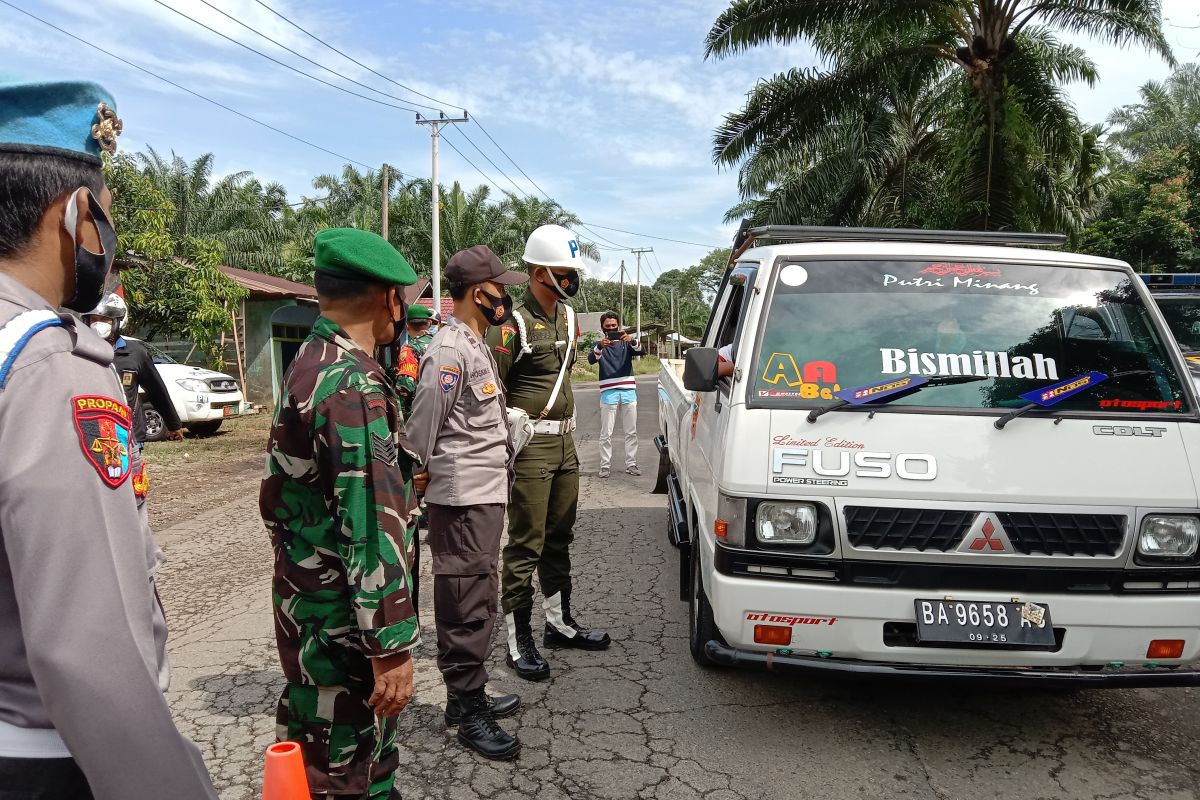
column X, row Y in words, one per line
column 946, row 454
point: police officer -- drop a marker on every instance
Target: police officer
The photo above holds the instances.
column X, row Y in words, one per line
column 82, row 636
column 135, row 367
column 534, row 356
column 420, row 324
column 460, row 429
column 337, row 500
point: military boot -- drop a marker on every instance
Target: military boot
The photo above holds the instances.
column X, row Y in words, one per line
column 563, row 631
column 503, row 706
column 523, row 655
column 479, row 730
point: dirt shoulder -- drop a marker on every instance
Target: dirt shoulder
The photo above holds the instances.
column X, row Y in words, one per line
column 197, row 474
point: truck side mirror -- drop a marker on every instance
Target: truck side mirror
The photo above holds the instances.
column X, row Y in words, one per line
column 700, row 369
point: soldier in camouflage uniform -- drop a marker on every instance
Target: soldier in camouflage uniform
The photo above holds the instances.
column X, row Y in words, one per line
column 336, row 499
column 420, row 334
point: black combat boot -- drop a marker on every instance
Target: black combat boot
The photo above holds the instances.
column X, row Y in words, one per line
column 503, row 706
column 563, row 631
column 479, row 730
column 523, row 655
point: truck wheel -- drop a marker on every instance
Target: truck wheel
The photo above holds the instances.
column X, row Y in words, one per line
column 701, row 626
column 156, row 429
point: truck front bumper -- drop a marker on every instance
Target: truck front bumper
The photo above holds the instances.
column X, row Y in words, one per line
column 1100, row 677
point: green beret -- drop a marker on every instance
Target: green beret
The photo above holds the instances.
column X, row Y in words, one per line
column 353, row 253
column 76, row 119
column 418, row 311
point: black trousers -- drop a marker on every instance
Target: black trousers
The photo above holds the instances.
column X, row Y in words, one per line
column 42, row 779
column 464, row 542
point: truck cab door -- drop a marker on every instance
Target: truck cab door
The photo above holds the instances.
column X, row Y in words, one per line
column 710, row 412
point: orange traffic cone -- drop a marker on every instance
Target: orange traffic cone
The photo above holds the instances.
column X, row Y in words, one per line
column 283, row 775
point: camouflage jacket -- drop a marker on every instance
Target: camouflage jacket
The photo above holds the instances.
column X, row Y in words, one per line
column 337, row 498
column 408, row 368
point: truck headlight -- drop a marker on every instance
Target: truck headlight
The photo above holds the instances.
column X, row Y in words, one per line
column 193, row 385
column 1169, row 537
column 786, row 523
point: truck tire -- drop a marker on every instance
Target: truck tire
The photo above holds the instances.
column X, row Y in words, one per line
column 156, row 428
column 204, row 428
column 701, row 626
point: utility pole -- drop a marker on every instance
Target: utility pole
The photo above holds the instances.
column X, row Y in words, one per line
column 435, row 260
column 384, row 226
column 621, row 309
column 674, row 326
column 638, row 252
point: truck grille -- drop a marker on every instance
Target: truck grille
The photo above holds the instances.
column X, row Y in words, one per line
column 1073, row 534
column 939, row 530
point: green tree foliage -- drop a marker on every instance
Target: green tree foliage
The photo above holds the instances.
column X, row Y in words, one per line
column 171, row 281
column 926, row 113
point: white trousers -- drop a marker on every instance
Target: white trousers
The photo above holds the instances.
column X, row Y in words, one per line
column 608, row 417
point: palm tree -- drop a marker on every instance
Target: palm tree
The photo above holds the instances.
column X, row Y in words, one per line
column 997, row 58
column 241, row 213
column 1168, row 116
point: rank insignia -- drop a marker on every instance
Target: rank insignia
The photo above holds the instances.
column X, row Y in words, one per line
column 537, row 326
column 103, row 426
column 383, row 449
column 448, row 377
column 488, row 388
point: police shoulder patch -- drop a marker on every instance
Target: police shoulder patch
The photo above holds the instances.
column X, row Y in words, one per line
column 448, row 377
column 103, row 425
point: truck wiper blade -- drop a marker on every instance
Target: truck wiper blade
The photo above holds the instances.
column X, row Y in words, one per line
column 888, row 390
column 1049, row 396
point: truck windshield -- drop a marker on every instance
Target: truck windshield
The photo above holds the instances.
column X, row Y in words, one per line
column 1183, row 318
column 838, row 324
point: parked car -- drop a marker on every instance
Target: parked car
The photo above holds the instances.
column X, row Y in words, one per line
column 203, row 398
column 939, row 454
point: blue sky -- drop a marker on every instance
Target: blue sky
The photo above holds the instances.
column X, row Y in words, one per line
column 608, row 106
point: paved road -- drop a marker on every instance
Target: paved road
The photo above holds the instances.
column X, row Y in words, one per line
column 641, row 720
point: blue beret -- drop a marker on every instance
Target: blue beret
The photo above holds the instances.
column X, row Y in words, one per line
column 76, row 119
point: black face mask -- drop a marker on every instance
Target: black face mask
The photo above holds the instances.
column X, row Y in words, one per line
column 91, row 269
column 565, row 283
column 388, row 354
column 497, row 309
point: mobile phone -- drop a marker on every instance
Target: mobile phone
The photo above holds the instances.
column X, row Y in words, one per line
column 615, row 335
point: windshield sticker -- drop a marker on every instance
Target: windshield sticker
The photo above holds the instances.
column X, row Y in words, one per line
column 1143, row 405
column 793, row 275
column 818, row 379
column 866, row 394
column 961, row 270
column 1049, row 395
column 980, row 363
column 950, row 280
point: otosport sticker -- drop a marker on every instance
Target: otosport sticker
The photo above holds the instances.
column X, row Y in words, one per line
column 103, row 426
column 1143, row 405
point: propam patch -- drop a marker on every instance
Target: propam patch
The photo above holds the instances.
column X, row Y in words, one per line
column 793, row 275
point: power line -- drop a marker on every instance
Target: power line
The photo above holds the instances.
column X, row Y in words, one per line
column 127, row 62
column 648, row 236
column 520, row 191
column 283, row 64
column 462, row 155
column 309, row 60
column 350, row 58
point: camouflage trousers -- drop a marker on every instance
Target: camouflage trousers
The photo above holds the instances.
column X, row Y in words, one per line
column 349, row 753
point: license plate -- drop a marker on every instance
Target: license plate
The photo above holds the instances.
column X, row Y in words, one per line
column 1023, row 626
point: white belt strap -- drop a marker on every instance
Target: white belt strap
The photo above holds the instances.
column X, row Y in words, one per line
column 554, row 427
column 17, row 332
column 566, row 363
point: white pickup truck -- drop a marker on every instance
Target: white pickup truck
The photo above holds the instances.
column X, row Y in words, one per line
column 935, row 454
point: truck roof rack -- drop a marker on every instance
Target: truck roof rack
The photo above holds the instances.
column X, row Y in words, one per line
column 827, row 233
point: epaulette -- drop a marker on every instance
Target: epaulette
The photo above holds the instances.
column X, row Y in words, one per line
column 17, row 332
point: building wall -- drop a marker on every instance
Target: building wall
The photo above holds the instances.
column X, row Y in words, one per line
column 260, row 348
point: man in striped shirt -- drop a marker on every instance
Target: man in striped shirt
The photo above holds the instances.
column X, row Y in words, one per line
column 618, row 391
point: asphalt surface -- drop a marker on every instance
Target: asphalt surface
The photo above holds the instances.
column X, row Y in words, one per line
column 641, row 720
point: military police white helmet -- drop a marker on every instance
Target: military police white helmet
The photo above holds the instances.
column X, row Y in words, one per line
column 112, row 307
column 553, row 246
